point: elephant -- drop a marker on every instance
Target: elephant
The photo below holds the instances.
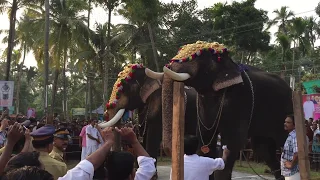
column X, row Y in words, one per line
column 236, row 100
column 140, row 88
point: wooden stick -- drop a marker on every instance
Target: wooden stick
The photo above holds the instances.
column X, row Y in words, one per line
column 178, row 131
column 304, row 165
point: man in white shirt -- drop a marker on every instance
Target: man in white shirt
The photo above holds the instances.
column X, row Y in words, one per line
column 308, row 108
column 85, row 169
column 198, row 167
column 92, row 138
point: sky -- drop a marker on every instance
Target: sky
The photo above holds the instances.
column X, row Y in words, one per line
column 300, row 8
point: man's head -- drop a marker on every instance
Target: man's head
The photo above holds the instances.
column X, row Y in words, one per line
column 43, row 138
column 314, row 125
column 289, row 124
column 308, row 98
column 61, row 139
column 26, row 173
column 120, row 166
column 24, row 159
column 191, row 143
column 92, row 122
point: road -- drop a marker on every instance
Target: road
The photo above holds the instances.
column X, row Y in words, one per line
column 164, row 174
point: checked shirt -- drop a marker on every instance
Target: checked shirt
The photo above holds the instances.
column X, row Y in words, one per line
column 290, row 147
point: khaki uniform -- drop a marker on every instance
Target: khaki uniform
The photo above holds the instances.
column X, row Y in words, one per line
column 57, row 154
column 54, row 167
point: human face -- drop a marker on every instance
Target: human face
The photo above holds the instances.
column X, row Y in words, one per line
column 314, row 126
column 93, row 123
column 288, row 124
column 60, row 143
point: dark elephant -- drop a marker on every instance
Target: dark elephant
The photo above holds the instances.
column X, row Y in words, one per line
column 142, row 92
column 238, row 101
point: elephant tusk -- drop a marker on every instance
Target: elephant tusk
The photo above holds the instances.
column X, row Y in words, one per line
column 114, row 120
column 152, row 74
column 176, row 76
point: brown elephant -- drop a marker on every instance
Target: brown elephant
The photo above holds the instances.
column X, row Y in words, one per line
column 238, row 101
column 140, row 88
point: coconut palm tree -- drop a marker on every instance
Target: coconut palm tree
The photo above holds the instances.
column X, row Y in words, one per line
column 282, row 19
column 284, row 42
column 68, row 30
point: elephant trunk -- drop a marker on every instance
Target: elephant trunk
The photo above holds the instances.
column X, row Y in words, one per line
column 167, row 105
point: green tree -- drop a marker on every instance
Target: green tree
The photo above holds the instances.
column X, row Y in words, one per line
column 241, row 27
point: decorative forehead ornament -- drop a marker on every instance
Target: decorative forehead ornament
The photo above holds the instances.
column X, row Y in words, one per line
column 189, row 52
column 123, row 77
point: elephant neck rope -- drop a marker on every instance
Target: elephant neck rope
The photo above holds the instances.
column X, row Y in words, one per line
column 205, row 147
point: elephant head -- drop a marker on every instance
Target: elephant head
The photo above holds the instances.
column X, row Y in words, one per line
column 205, row 66
column 130, row 91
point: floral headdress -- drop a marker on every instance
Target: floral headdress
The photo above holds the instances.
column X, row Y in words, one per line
column 189, row 52
column 123, row 78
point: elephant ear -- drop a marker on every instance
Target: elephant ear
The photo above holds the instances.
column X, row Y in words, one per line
column 228, row 75
column 148, row 88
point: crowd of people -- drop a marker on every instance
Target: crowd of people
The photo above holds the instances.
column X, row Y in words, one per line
column 37, row 153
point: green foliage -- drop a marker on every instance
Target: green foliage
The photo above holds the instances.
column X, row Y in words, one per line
column 242, row 27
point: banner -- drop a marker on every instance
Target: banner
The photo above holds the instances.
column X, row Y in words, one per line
column 6, row 93
column 309, row 86
column 11, row 109
column 311, row 106
column 31, row 112
column 78, row 111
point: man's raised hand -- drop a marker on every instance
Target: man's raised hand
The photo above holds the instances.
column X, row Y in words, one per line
column 15, row 132
column 108, row 134
column 128, row 134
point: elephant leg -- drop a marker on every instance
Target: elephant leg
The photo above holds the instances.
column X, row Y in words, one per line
column 226, row 173
column 266, row 149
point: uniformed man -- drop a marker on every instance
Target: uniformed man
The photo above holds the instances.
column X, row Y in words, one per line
column 43, row 143
column 60, row 144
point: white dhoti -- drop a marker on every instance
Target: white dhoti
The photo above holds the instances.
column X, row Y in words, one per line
column 91, row 149
column 293, row 177
column 83, row 153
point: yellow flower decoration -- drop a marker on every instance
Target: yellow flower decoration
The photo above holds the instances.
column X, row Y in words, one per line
column 123, row 77
column 189, row 52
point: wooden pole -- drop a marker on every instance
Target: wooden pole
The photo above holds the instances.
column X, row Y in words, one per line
column 304, row 165
column 178, row 131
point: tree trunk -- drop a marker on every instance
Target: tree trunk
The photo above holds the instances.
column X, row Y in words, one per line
column 106, row 72
column 87, row 98
column 54, row 92
column 19, row 79
column 46, row 62
column 293, row 54
column 283, row 71
column 90, row 96
column 155, row 54
column 88, row 64
column 12, row 30
column 65, row 111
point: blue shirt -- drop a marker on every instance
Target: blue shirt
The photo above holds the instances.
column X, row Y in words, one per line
column 289, row 149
